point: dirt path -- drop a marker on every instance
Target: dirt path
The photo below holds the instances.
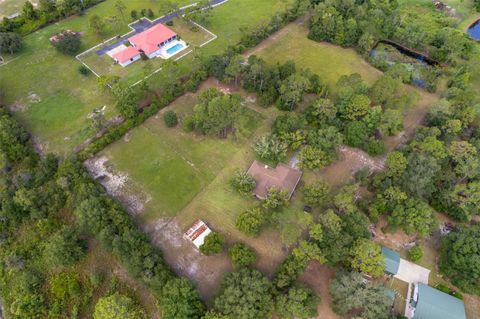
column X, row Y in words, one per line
column 318, row 278
column 272, row 38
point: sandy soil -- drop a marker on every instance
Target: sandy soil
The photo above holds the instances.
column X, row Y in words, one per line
column 318, row 278
column 185, row 259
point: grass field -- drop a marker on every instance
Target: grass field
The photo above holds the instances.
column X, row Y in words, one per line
column 327, row 60
column 58, row 116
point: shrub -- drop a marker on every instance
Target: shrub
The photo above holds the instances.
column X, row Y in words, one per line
column 316, row 194
column 188, row 124
column 375, row 147
column 250, row 222
column 213, row 244
column 117, row 306
column 68, row 44
column 83, row 70
column 170, row 119
column 415, row 253
column 134, row 14
column 242, row 182
column 242, row 255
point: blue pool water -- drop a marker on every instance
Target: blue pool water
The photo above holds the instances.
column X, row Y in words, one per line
column 474, row 30
column 175, row 48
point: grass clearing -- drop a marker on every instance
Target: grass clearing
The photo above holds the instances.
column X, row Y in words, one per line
column 41, row 70
column 327, row 60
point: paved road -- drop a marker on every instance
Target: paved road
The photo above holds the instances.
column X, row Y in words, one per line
column 144, row 24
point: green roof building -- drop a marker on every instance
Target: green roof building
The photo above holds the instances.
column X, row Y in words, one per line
column 392, row 261
column 430, row 303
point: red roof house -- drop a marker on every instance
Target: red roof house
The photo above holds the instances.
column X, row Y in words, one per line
column 150, row 41
column 130, row 54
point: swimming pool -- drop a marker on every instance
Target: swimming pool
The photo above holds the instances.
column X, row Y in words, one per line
column 474, row 30
column 177, row 47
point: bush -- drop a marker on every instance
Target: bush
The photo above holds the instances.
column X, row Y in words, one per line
column 242, row 255
column 170, row 119
column 242, row 182
column 83, row 70
column 375, row 147
column 415, row 253
column 213, row 244
column 68, row 44
column 250, row 222
column 188, row 124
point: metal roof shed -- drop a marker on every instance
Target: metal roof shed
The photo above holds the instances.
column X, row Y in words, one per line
column 392, row 261
column 430, row 303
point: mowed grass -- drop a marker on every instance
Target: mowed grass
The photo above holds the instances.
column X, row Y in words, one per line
column 58, row 115
column 236, row 17
column 169, row 165
column 327, row 60
column 104, row 64
column 41, row 70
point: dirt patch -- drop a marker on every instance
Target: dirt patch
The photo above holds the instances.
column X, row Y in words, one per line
column 185, row 259
column 17, row 107
column 33, row 97
column 318, row 278
column 117, row 184
column 351, row 160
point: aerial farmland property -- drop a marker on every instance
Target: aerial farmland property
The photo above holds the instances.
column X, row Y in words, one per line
column 239, row 159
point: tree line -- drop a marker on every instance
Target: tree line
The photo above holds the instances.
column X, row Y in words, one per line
column 49, row 11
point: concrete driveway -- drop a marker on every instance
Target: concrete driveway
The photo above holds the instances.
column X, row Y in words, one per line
column 412, row 273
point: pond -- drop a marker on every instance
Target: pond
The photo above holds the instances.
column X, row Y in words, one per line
column 423, row 71
column 474, row 30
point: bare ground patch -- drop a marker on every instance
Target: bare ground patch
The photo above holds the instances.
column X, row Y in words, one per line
column 318, row 278
column 185, row 259
column 351, row 160
column 117, row 184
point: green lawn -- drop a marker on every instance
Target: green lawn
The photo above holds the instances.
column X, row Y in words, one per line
column 327, row 60
column 8, row 7
column 169, row 165
column 60, row 118
column 104, row 65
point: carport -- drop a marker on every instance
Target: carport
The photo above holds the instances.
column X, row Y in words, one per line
column 412, row 273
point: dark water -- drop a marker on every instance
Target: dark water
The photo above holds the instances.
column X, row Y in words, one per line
column 474, row 30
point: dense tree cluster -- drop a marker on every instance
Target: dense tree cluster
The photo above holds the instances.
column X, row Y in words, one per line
column 459, row 258
column 10, row 42
column 48, row 11
column 217, row 113
column 245, row 294
column 350, row 293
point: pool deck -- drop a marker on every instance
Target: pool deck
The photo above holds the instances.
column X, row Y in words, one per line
column 145, row 23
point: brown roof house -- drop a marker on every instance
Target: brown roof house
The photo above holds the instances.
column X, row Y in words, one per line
column 282, row 177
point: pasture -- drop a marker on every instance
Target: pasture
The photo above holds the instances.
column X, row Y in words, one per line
column 53, row 100
column 327, row 60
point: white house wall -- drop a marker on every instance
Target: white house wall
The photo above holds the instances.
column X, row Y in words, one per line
column 130, row 61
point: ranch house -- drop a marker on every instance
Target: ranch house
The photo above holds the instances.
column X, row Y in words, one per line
column 282, row 177
column 157, row 41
